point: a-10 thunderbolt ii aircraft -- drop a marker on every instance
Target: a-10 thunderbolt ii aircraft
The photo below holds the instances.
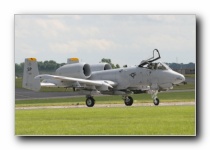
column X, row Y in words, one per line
column 101, row 78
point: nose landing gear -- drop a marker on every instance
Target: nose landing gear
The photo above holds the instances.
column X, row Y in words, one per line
column 156, row 100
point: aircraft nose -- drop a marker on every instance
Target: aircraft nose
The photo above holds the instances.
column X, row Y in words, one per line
column 179, row 79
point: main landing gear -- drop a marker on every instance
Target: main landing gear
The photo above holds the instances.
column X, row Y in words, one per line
column 128, row 100
column 90, row 101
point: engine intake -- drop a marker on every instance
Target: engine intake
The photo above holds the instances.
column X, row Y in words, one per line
column 76, row 70
column 100, row 67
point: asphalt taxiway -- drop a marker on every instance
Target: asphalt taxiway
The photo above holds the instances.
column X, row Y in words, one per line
column 23, row 94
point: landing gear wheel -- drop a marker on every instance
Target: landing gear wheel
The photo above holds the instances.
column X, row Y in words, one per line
column 156, row 101
column 90, row 102
column 128, row 100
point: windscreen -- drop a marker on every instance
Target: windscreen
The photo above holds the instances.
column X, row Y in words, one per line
column 158, row 66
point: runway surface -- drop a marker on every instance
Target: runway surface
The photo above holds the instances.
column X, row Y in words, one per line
column 24, row 94
column 111, row 105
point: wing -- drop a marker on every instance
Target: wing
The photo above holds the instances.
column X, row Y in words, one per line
column 101, row 84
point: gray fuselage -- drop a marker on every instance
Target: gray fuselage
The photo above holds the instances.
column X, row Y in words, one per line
column 139, row 76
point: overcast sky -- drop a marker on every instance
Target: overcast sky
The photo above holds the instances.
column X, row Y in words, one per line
column 125, row 39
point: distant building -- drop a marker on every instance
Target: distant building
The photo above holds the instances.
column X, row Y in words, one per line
column 185, row 71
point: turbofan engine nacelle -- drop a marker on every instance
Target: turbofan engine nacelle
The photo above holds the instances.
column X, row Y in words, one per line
column 76, row 70
column 100, row 67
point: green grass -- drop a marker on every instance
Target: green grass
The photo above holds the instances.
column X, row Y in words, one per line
column 170, row 120
column 190, row 75
column 184, row 86
column 144, row 120
column 18, row 83
column 138, row 98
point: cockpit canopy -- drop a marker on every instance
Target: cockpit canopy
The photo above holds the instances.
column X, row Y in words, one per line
column 157, row 66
